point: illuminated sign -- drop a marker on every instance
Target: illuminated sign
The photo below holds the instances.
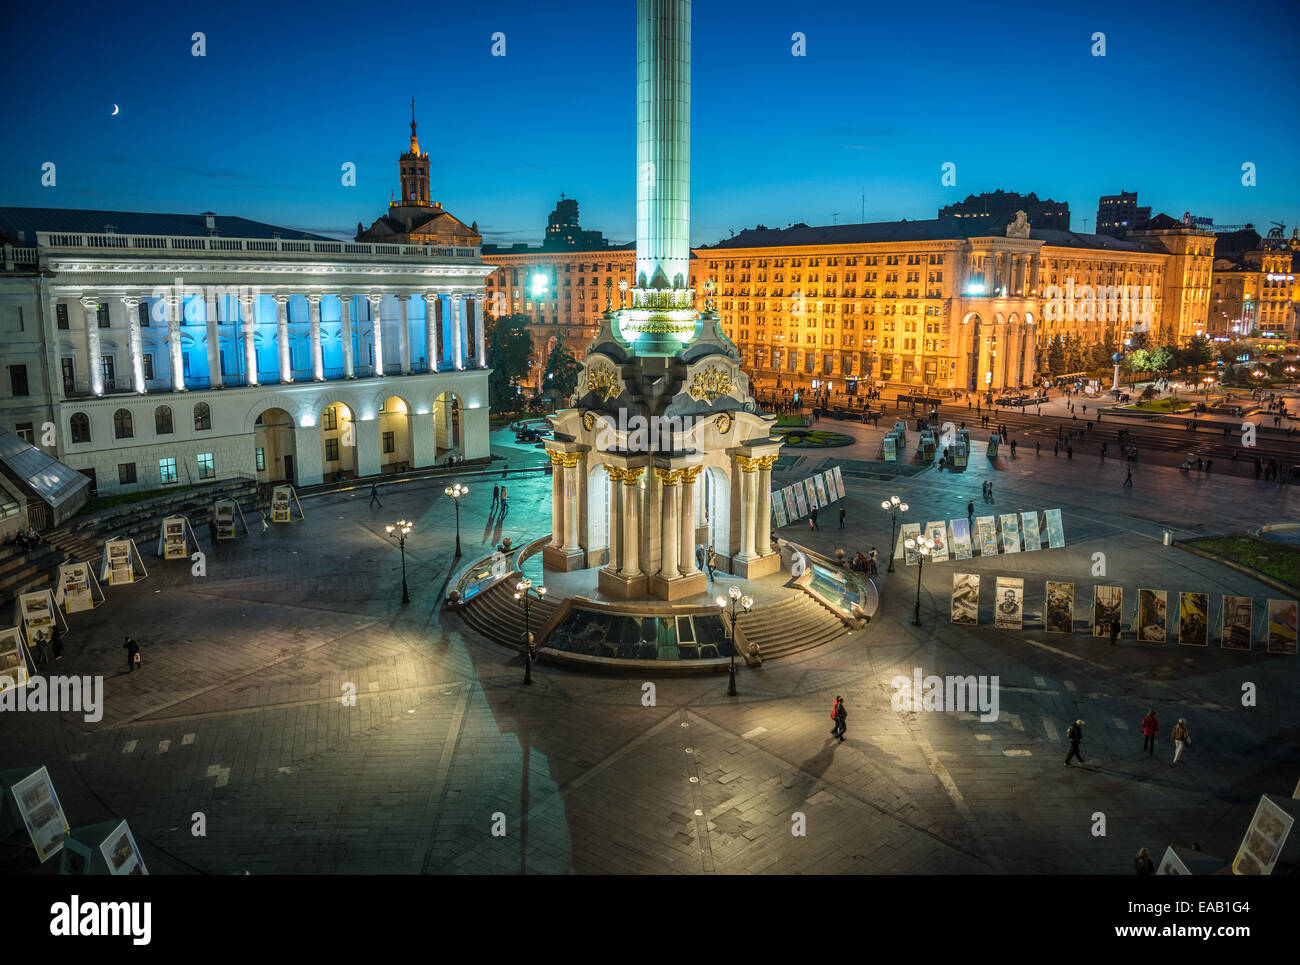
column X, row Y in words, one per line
column 1273, row 277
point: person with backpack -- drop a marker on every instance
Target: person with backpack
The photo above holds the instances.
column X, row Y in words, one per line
column 1150, row 727
column 1075, row 736
column 132, row 654
column 1182, row 738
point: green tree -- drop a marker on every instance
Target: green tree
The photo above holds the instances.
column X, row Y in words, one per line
column 1138, row 361
column 1198, row 352
column 1056, row 356
column 1162, row 358
column 509, row 347
column 561, row 371
column 1227, row 352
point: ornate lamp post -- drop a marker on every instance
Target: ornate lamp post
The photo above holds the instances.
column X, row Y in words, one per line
column 526, row 594
column 455, row 492
column 923, row 546
column 399, row 531
column 1207, row 383
column 893, row 507
column 744, row 603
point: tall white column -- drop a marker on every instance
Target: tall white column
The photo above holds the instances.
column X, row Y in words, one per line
column 248, row 315
column 404, row 334
column 686, row 546
column 282, row 337
column 570, row 509
column 377, row 329
column 615, row 519
column 94, row 356
column 432, row 312
column 746, row 507
column 174, row 353
column 345, row 323
column 557, row 501
column 763, row 506
column 669, row 490
column 457, row 343
column 317, row 356
column 480, row 347
column 131, row 306
column 631, row 531
column 214, row 340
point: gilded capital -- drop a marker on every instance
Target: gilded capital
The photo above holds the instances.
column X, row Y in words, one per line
column 747, row 464
column 690, row 473
column 669, row 477
column 632, row 475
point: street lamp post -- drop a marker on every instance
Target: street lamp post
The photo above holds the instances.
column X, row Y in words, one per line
column 455, row 492
column 399, row 531
column 744, row 603
column 893, row 507
column 525, row 593
column 923, row 546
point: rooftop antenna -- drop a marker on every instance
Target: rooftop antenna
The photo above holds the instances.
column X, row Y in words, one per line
column 864, row 205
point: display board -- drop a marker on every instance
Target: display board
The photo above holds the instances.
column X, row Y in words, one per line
column 1055, row 529
column 38, row 806
column 987, row 529
column 171, row 541
column 1262, row 844
column 223, row 519
column 121, row 852
column 14, row 662
column 1194, row 619
column 791, row 510
column 1236, row 623
column 1149, row 621
column 1058, row 608
column 104, row 848
column 820, row 486
column 839, row 481
column 960, row 455
column 1009, row 603
column 891, row 448
column 1107, row 605
column 966, row 598
column 810, row 491
column 800, row 502
column 1010, row 533
column 938, row 532
column 778, row 510
column 119, row 562
column 38, row 612
column 284, row 500
column 992, row 447
column 77, row 588
column 959, row 539
column 1281, row 626
column 905, row 532
column 1029, row 526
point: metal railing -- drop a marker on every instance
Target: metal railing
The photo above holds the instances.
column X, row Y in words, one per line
column 57, row 240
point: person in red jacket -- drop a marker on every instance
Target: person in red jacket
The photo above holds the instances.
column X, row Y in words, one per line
column 1150, row 727
column 835, row 710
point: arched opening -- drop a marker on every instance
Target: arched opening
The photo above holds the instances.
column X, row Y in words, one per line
column 338, row 440
column 276, row 453
column 447, row 426
column 716, row 497
column 162, row 420
column 598, row 510
column 395, row 452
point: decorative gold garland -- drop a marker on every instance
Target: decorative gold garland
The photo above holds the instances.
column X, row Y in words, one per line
column 602, row 380
column 710, row 385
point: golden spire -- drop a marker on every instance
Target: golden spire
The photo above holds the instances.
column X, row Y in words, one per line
column 415, row 144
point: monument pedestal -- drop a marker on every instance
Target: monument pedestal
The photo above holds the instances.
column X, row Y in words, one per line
column 756, row 566
column 554, row 558
column 681, row 588
column 621, row 587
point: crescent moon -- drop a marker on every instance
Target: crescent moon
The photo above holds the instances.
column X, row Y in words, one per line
column 115, row 110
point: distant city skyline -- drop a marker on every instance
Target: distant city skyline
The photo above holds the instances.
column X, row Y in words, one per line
column 839, row 135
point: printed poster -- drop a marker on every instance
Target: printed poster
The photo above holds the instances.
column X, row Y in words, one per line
column 74, row 580
column 41, row 812
column 224, row 516
column 959, row 539
column 905, row 532
column 1009, row 603
column 778, row 510
column 174, row 538
column 811, row 491
column 891, row 449
column 1281, row 626
column 1055, row 529
column 966, row 599
column 1029, row 526
column 820, row 486
column 938, row 531
column 1236, row 622
column 1058, row 610
column 1152, row 611
column 1262, row 845
column 839, row 482
column 13, row 659
column 1194, row 619
column 280, row 504
column 800, row 503
column 121, row 854
column 1010, row 533
column 987, row 529
column 791, row 510
column 1107, row 606
column 120, row 569
column 38, row 610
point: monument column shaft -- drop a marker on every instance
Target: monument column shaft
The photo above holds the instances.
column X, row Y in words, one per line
column 686, row 548
column 317, row 352
column 404, row 334
column 668, row 568
column 249, row 310
column 746, row 513
column 663, row 149
column 557, row 505
column 345, row 328
column 763, row 510
column 570, row 508
column 282, row 337
column 631, row 532
column 615, row 523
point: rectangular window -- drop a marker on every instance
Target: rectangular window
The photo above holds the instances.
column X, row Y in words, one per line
column 166, row 471
column 25, row 431
column 331, row 450
column 125, row 473
column 69, row 376
column 329, row 419
column 148, row 367
column 61, row 317
column 185, row 364
column 144, row 313
column 261, row 459
column 18, row 379
column 101, row 315
column 207, row 468
column 389, row 445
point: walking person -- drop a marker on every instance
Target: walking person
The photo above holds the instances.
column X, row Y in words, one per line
column 1128, row 480
column 1114, row 631
column 265, row 524
column 496, row 497
column 990, row 485
column 1182, row 738
column 1143, row 864
column 699, row 557
column 970, row 512
column 812, row 520
column 835, row 717
column 58, row 642
column 42, row 646
column 505, row 504
column 1075, row 735
column 841, row 517
column 1150, row 727
column 710, row 561
column 374, row 495
column 132, row 654
column 841, row 718
column 871, row 563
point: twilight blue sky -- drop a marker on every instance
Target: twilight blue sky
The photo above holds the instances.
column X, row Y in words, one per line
column 1009, row 92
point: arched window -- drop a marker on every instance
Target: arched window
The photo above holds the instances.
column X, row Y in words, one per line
column 80, row 427
column 122, row 428
column 162, row 420
column 202, row 416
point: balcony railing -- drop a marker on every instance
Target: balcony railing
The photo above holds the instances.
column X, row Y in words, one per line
column 80, row 388
column 253, row 246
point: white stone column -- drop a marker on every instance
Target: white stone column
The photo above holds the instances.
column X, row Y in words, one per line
column 377, row 330
column 317, row 355
column 615, row 520
column 94, row 356
column 1031, row 346
column 174, row 353
column 282, row 337
column 631, row 532
column 686, row 546
column 746, row 469
column 763, row 506
column 557, row 502
column 457, row 343
column 431, row 311
column 480, row 347
column 404, row 333
column 570, row 509
column 669, row 490
column 214, row 340
column 345, row 324
column 131, row 306
column 248, row 315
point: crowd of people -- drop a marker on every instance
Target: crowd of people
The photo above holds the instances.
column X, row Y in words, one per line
column 27, row 540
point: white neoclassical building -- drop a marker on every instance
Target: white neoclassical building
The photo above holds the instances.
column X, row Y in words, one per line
column 171, row 349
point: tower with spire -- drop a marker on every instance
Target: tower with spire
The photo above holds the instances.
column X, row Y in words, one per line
column 414, row 173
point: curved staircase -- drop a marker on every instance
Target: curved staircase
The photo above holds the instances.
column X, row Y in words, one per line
column 800, row 624
column 497, row 615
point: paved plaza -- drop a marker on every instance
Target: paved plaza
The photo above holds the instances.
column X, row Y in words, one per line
column 237, row 710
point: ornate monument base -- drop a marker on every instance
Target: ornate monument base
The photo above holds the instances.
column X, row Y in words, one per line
column 554, row 558
column 682, row 588
column 622, row 587
column 757, row 566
